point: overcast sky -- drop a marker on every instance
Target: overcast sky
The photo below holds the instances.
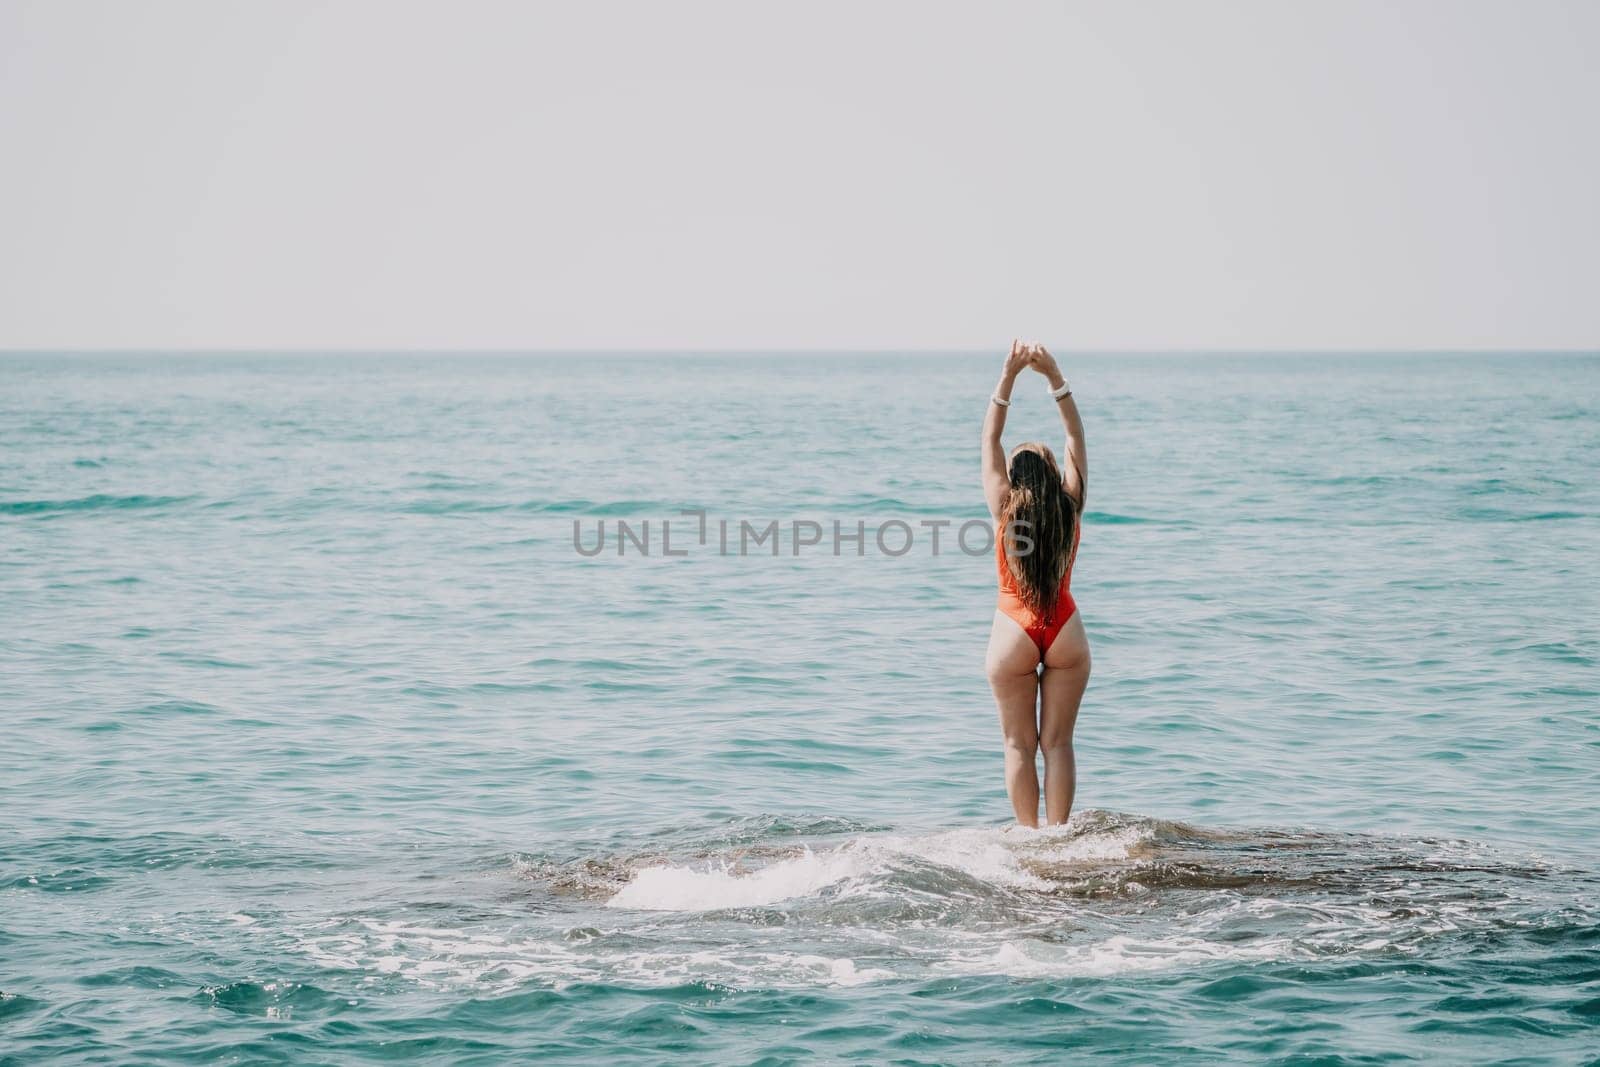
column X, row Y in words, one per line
column 902, row 175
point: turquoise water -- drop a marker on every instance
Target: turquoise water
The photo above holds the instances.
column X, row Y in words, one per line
column 323, row 744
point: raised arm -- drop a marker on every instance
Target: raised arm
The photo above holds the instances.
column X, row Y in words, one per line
column 1075, row 461
column 996, row 483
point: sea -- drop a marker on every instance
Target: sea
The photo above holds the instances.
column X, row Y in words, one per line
column 480, row 708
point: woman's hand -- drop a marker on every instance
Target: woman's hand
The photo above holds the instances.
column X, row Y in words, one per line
column 1043, row 362
column 1021, row 358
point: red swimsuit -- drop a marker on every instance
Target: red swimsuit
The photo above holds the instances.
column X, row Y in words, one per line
column 1043, row 631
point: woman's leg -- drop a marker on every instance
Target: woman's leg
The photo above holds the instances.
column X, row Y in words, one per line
column 1066, row 675
column 1012, row 666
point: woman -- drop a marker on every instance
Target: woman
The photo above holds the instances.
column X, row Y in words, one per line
column 1037, row 508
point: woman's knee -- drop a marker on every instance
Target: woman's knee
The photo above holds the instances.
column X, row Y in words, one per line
column 1055, row 739
column 1023, row 743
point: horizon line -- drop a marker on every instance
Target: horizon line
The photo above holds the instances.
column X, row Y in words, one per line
column 874, row 350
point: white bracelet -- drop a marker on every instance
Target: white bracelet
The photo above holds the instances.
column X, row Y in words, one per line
column 1065, row 390
column 1002, row 401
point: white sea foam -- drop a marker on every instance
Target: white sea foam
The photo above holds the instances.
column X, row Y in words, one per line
column 998, row 857
column 687, row 888
column 1115, row 955
column 442, row 958
column 842, row 972
column 1112, row 845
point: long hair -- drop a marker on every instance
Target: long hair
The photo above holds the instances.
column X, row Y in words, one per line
column 1044, row 514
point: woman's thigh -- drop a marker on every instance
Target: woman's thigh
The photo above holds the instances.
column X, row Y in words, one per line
column 1012, row 663
column 1066, row 675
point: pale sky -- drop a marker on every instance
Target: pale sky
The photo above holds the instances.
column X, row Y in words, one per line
column 1120, row 175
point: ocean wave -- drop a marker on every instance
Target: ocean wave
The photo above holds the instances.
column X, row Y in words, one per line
column 78, row 863
column 273, row 999
column 97, row 502
column 683, row 888
column 1003, row 858
column 1100, row 854
column 15, row 1004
